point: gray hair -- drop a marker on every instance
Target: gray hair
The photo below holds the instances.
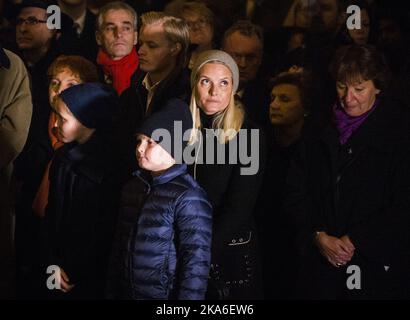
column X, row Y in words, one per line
column 116, row 5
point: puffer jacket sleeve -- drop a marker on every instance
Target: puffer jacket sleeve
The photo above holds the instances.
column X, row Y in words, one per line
column 194, row 233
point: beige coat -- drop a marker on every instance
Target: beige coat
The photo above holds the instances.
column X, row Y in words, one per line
column 15, row 116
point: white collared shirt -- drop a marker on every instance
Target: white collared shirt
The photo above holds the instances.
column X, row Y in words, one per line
column 151, row 89
column 80, row 22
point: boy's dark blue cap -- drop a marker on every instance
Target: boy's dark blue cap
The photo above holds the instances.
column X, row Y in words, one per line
column 95, row 105
column 173, row 110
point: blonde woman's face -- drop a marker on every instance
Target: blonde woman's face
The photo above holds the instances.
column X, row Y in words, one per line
column 214, row 88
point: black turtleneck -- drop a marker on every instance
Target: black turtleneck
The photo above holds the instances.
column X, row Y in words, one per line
column 206, row 119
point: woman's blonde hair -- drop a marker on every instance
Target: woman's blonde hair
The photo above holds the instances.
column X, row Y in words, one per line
column 229, row 120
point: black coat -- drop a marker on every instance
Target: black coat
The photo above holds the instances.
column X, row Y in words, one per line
column 37, row 151
column 361, row 189
column 30, row 166
column 235, row 262
column 133, row 103
column 274, row 225
column 83, row 44
column 87, row 44
column 256, row 99
column 81, row 214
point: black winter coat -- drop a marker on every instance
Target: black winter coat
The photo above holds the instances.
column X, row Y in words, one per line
column 235, row 258
column 360, row 189
column 256, row 99
column 81, row 214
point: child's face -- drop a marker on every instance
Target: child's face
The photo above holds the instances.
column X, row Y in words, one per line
column 64, row 79
column 69, row 128
column 151, row 156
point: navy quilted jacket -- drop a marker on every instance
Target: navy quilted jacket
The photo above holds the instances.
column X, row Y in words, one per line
column 163, row 242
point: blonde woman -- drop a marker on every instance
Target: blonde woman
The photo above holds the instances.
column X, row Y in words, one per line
column 222, row 125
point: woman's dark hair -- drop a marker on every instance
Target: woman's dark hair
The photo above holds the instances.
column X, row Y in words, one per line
column 303, row 81
column 360, row 63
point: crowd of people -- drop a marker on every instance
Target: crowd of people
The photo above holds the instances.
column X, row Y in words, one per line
column 204, row 150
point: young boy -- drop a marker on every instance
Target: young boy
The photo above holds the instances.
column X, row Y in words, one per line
column 83, row 196
column 164, row 230
column 64, row 72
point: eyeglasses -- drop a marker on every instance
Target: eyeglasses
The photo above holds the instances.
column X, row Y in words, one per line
column 31, row 21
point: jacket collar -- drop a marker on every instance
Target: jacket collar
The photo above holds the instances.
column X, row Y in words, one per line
column 173, row 172
column 77, row 152
column 375, row 131
column 86, row 157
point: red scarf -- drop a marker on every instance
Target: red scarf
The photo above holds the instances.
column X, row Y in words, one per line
column 120, row 71
column 41, row 199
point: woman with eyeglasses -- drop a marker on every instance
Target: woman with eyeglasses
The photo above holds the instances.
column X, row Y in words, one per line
column 200, row 20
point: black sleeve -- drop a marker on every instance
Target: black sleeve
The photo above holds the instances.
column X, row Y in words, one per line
column 386, row 233
column 297, row 203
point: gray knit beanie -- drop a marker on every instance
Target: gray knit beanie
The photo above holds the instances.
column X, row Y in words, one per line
column 219, row 56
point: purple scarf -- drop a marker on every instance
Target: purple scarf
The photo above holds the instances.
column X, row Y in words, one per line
column 346, row 124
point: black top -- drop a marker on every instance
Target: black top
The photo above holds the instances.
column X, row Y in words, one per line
column 232, row 195
column 81, row 213
column 360, row 189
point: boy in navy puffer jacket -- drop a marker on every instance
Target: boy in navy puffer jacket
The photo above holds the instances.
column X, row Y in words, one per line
column 163, row 241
